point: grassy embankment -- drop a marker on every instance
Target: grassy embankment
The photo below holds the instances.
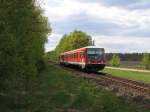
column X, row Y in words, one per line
column 133, row 75
column 60, row 91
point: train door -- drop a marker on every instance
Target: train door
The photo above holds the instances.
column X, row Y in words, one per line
column 78, row 56
column 82, row 57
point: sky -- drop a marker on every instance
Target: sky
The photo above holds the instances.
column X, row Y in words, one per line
column 116, row 25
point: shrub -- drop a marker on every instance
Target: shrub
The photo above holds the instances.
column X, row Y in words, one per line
column 115, row 61
column 146, row 61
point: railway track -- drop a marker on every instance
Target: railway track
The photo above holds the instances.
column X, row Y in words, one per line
column 131, row 87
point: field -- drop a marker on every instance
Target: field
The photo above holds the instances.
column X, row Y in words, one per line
column 133, row 75
column 130, row 64
column 59, row 91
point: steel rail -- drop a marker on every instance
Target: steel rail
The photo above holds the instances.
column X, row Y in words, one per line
column 106, row 79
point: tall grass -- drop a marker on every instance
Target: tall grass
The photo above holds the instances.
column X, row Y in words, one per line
column 60, row 91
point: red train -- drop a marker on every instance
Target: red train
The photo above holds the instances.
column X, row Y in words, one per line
column 88, row 58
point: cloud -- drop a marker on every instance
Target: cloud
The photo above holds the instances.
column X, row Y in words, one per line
column 143, row 4
column 123, row 44
column 85, row 23
column 117, row 15
column 127, row 20
column 130, row 4
column 61, row 10
column 53, row 40
column 110, row 43
column 98, row 26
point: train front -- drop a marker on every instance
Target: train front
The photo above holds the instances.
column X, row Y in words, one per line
column 95, row 59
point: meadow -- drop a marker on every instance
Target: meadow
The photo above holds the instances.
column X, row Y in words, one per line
column 60, row 91
column 133, row 75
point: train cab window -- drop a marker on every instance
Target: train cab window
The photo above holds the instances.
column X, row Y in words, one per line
column 95, row 53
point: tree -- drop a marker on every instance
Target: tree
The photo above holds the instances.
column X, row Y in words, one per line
column 23, row 32
column 146, row 61
column 52, row 55
column 115, row 61
column 74, row 40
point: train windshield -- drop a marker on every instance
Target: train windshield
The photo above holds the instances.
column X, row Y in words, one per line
column 95, row 53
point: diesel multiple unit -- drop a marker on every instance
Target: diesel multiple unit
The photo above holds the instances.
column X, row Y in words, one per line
column 89, row 58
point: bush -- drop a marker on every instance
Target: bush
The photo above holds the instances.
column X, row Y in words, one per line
column 146, row 61
column 115, row 61
column 23, row 33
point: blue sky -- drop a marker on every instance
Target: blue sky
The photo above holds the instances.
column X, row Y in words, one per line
column 116, row 25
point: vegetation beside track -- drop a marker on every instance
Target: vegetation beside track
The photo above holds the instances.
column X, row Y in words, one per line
column 60, row 91
column 71, row 41
column 23, row 33
column 133, row 75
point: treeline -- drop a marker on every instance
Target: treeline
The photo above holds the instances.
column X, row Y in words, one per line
column 142, row 60
column 126, row 56
column 23, row 33
column 73, row 40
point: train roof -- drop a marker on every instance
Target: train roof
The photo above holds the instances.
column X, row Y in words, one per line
column 92, row 47
column 68, row 52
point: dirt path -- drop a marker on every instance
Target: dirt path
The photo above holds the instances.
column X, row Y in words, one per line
column 128, row 69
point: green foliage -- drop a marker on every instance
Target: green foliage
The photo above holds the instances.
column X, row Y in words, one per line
column 59, row 91
column 72, row 41
column 23, row 32
column 52, row 55
column 146, row 61
column 115, row 61
column 132, row 75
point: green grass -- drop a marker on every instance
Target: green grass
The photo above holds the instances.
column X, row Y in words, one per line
column 60, row 91
column 57, row 90
column 140, row 76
